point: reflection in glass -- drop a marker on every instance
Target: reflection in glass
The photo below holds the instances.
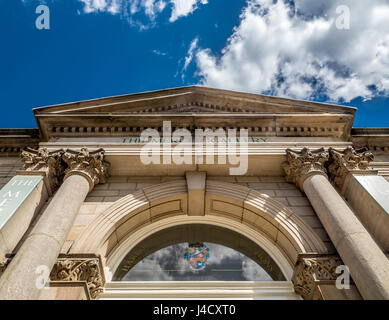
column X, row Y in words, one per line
column 170, row 264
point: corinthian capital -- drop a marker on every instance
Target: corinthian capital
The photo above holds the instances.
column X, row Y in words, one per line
column 347, row 161
column 89, row 164
column 301, row 164
column 43, row 160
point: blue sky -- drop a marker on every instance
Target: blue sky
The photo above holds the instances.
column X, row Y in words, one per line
column 98, row 48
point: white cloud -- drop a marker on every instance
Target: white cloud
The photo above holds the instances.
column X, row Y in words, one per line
column 95, row 5
column 151, row 8
column 182, row 8
column 159, row 53
column 152, row 267
column 190, row 55
column 295, row 50
column 251, row 271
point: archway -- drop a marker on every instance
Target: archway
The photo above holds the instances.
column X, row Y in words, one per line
column 275, row 229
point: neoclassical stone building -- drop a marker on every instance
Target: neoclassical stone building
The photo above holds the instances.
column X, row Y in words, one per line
column 79, row 206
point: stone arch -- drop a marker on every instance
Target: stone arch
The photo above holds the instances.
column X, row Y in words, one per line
column 274, row 227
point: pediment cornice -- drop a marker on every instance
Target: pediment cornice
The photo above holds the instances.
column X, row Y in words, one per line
column 194, row 99
column 195, row 107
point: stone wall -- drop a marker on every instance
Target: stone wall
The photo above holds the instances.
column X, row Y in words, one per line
column 8, row 168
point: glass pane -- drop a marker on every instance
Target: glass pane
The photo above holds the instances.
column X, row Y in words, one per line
column 181, row 262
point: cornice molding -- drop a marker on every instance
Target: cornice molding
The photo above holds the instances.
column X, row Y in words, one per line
column 13, row 141
column 190, row 94
column 268, row 129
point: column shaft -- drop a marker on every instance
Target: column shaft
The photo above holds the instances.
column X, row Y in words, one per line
column 368, row 265
column 42, row 246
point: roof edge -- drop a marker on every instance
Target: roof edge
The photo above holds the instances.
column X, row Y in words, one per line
column 198, row 88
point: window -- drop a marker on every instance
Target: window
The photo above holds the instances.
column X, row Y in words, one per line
column 173, row 263
column 197, row 252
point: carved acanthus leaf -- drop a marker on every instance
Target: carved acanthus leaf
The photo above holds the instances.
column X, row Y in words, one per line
column 91, row 164
column 309, row 271
column 341, row 163
column 45, row 161
column 80, row 270
column 302, row 163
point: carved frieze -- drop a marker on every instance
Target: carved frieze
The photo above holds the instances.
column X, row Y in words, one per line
column 90, row 164
column 341, row 163
column 310, row 270
column 70, row 269
column 301, row 164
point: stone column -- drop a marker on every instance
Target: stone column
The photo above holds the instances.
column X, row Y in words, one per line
column 364, row 190
column 24, row 195
column 368, row 265
column 41, row 248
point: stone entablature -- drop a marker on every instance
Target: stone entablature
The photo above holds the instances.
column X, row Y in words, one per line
column 265, row 130
column 13, row 141
column 375, row 139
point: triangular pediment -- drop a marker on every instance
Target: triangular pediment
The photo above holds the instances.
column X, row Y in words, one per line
column 194, row 107
column 193, row 100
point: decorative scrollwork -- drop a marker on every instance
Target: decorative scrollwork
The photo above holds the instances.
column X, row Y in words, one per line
column 310, row 270
column 87, row 270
